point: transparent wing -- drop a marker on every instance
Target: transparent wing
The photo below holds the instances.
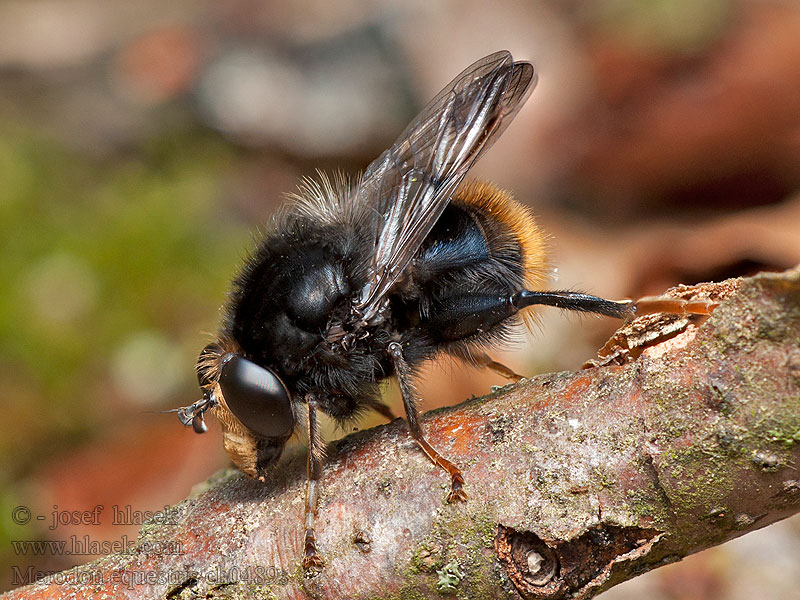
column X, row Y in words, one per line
column 407, row 187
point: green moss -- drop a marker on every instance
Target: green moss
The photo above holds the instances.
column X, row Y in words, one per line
column 603, row 477
column 427, row 558
column 411, row 594
column 787, row 438
column 644, row 504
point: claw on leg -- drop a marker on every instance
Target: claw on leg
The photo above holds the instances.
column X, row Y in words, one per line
column 312, row 560
column 457, row 493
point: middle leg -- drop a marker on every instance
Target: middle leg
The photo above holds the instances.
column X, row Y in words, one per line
column 482, row 359
column 403, row 373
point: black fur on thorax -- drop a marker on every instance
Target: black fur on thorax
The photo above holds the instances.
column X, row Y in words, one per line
column 301, row 279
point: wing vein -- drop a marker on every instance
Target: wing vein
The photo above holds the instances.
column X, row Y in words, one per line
column 408, row 186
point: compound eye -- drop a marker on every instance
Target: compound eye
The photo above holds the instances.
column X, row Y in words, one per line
column 257, row 397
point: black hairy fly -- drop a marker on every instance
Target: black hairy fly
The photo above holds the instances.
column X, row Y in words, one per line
column 358, row 281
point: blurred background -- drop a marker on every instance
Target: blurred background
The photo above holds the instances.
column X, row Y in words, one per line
column 142, row 144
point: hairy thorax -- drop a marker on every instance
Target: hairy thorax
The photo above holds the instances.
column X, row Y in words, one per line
column 291, row 311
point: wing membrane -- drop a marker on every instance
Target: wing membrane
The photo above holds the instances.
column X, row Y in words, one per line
column 408, row 186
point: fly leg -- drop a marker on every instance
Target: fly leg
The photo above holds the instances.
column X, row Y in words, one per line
column 576, row 301
column 404, row 377
column 650, row 305
column 311, row 557
column 466, row 315
column 481, row 359
column 383, row 410
column 462, row 316
column 625, row 309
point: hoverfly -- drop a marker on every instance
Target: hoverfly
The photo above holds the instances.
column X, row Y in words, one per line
column 358, row 281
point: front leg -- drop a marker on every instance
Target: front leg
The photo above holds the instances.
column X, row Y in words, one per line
column 311, row 557
column 403, row 373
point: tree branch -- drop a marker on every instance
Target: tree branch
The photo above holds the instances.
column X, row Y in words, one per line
column 681, row 436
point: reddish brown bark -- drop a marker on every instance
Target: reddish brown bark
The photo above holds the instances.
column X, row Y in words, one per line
column 683, row 435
